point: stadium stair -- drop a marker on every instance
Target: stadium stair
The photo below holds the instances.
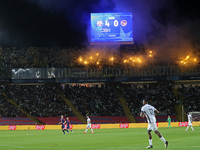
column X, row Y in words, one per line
column 126, row 109
column 22, row 110
column 75, row 111
column 179, row 108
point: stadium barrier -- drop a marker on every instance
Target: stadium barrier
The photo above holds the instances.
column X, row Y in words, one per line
column 94, row 126
column 75, row 120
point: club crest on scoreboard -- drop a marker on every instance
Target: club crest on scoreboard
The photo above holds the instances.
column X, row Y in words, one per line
column 99, row 23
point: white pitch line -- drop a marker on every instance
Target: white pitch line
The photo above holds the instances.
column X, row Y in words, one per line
column 194, row 146
column 99, row 148
column 11, row 146
column 127, row 147
column 82, row 147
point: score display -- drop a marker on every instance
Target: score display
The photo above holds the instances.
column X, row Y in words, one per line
column 111, row 27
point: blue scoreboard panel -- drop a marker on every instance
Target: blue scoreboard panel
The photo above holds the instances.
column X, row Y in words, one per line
column 111, row 27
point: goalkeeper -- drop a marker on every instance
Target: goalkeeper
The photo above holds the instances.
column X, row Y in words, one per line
column 169, row 122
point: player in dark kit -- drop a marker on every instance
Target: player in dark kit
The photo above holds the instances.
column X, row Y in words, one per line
column 62, row 122
column 68, row 125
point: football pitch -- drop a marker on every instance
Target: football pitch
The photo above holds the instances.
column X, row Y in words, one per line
column 102, row 139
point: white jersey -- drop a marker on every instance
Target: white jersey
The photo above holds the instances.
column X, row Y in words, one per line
column 88, row 121
column 149, row 112
column 189, row 118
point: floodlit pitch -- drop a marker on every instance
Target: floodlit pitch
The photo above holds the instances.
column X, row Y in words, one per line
column 109, row 139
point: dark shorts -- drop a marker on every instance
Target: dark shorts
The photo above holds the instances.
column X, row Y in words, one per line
column 63, row 126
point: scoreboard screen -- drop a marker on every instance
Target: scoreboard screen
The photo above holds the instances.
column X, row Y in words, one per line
column 111, row 27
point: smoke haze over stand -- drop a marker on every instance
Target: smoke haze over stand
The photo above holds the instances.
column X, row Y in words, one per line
column 169, row 26
column 160, row 26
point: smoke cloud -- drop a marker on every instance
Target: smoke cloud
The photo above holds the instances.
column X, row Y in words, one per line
column 165, row 26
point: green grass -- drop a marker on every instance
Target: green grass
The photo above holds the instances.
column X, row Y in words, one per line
column 111, row 139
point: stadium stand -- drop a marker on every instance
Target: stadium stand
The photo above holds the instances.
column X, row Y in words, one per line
column 8, row 110
column 94, row 101
column 43, row 101
column 159, row 118
column 16, row 121
column 161, row 97
column 95, row 120
column 38, row 100
column 190, row 97
column 55, row 120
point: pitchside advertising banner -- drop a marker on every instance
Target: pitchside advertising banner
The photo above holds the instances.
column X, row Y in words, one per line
column 124, row 125
column 183, row 124
column 40, row 127
column 12, row 127
column 70, row 127
column 95, row 126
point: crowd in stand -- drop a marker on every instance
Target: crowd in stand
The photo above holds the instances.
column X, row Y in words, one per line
column 100, row 101
column 45, row 100
column 160, row 97
column 7, row 109
column 34, row 57
column 38, row 100
column 190, row 97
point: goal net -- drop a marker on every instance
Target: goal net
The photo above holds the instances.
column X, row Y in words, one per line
column 195, row 116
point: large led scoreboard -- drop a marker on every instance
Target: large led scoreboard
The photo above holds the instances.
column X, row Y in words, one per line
column 111, row 28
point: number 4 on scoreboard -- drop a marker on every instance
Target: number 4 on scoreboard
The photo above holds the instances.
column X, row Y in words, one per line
column 107, row 23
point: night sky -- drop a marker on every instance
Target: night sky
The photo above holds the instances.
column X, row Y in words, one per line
column 64, row 23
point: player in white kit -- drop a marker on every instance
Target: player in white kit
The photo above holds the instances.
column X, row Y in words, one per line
column 89, row 126
column 189, row 122
column 149, row 112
